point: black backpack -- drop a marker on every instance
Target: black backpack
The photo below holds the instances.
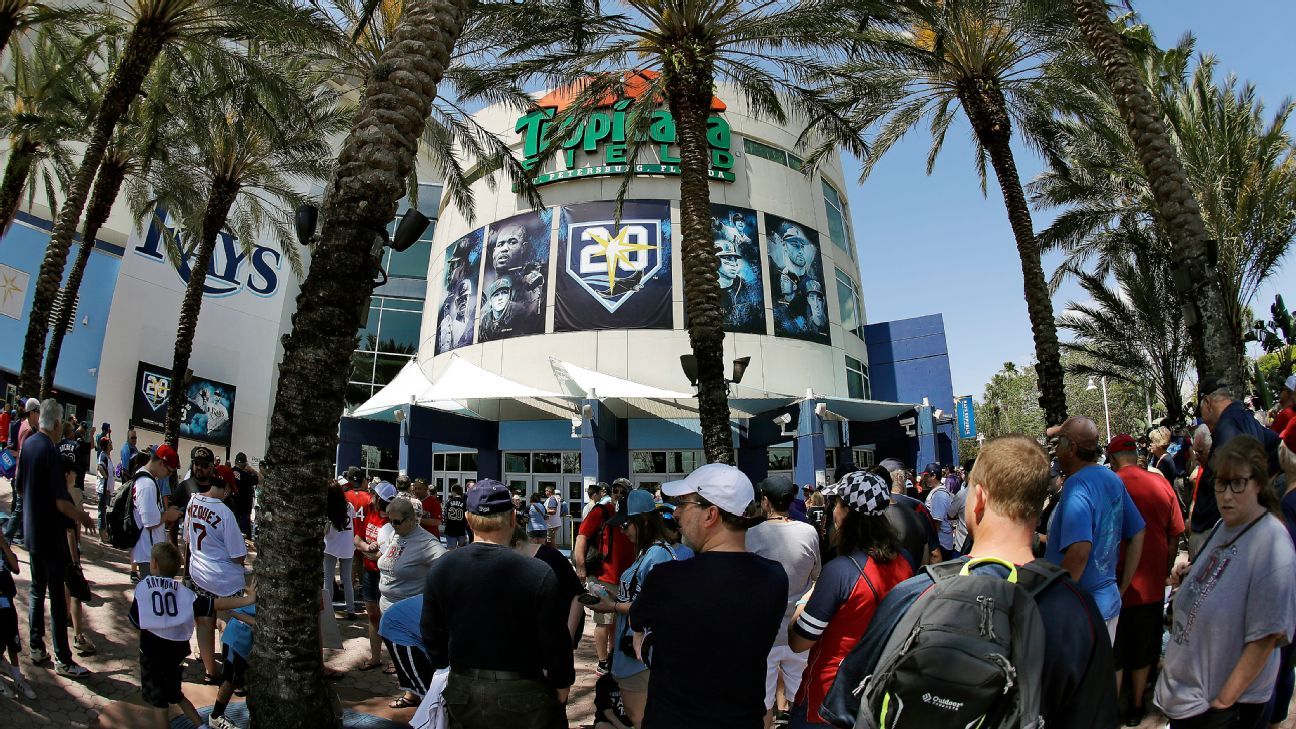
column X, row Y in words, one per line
column 968, row 653
column 120, row 524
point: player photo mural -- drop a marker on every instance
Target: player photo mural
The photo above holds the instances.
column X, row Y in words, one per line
column 458, row 312
column 738, row 267
column 207, row 413
column 796, row 281
column 614, row 274
column 513, row 290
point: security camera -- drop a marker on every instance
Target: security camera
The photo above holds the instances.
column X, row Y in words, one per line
column 783, row 419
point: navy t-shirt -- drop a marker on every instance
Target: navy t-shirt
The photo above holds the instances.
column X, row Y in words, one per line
column 40, row 472
column 1234, row 421
column 712, row 621
column 1289, row 513
column 1079, row 681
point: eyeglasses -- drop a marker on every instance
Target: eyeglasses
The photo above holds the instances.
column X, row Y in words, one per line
column 680, row 504
column 1236, row 485
column 396, row 522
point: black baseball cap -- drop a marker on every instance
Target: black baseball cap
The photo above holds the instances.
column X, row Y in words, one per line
column 1209, row 384
column 776, row 487
column 354, row 474
column 487, row 497
column 241, row 459
column 202, row 455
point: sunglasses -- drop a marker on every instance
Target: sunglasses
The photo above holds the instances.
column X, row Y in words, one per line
column 396, row 522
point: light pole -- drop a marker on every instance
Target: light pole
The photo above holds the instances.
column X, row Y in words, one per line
column 1106, row 409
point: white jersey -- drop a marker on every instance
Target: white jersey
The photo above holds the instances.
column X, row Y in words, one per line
column 147, row 510
column 340, row 543
column 214, row 543
column 165, row 608
column 217, row 416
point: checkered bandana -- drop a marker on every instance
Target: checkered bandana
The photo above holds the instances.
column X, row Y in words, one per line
column 862, row 491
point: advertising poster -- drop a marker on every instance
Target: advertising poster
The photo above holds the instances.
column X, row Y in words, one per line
column 738, row 265
column 208, row 413
column 614, row 274
column 513, row 291
column 458, row 311
column 796, row 281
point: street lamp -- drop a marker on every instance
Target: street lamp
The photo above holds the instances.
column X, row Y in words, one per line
column 1106, row 409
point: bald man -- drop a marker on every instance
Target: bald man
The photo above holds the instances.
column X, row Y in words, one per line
column 1093, row 517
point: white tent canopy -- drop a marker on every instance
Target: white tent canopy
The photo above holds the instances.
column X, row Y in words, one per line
column 463, row 380
column 580, row 382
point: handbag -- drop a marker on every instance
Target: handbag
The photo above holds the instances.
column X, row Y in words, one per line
column 76, row 583
column 431, row 712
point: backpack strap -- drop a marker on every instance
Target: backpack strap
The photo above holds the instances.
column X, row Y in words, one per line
column 1036, row 576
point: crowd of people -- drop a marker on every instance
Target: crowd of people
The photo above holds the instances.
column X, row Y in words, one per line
column 1053, row 581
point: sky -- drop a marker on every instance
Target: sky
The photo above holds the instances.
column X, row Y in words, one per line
column 936, row 245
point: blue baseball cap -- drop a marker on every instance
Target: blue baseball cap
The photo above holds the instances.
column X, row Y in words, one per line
column 487, row 497
column 637, row 502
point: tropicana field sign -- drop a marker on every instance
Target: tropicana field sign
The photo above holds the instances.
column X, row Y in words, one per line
column 600, row 145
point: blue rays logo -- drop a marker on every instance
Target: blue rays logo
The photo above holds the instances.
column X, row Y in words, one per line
column 613, row 261
column 156, row 389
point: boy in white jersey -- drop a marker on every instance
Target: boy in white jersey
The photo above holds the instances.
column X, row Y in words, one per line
column 162, row 608
column 216, row 556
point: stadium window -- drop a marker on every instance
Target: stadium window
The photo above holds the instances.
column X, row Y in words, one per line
column 838, row 229
column 857, row 379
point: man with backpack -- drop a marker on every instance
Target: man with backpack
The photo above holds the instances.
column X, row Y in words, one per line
column 600, row 555
column 147, row 515
column 1030, row 643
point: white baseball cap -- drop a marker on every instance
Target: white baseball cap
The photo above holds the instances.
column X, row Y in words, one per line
column 722, row 485
column 1290, row 384
column 32, row 405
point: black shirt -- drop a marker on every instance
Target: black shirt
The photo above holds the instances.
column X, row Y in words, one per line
column 184, row 491
column 1078, row 688
column 68, row 454
column 455, row 523
column 716, row 606
column 569, row 585
column 486, row 606
column 244, row 496
column 911, row 528
column 40, row 471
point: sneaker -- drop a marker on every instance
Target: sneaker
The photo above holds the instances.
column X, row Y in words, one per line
column 1135, row 715
column 601, row 669
column 24, row 688
column 72, row 670
column 134, row 578
column 7, row 692
column 781, row 718
column 220, row 722
column 39, row 656
column 83, row 646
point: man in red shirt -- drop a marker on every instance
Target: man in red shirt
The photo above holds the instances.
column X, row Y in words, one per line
column 618, row 553
column 1286, row 406
column 431, row 520
column 1138, row 634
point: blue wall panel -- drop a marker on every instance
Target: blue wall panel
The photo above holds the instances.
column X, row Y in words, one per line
column 23, row 248
column 537, row 435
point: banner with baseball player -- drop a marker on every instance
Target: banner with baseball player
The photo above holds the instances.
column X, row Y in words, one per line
column 614, row 274
column 738, row 267
column 796, row 281
column 457, row 314
column 513, row 289
column 208, row 411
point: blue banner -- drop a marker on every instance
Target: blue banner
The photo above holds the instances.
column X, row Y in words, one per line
column 965, row 416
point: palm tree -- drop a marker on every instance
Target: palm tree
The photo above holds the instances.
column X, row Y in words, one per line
column 41, row 109
column 19, row 15
column 137, row 142
column 244, row 148
column 1238, row 163
column 1132, row 332
column 674, row 52
column 995, row 60
column 371, row 174
column 208, row 26
column 1216, row 340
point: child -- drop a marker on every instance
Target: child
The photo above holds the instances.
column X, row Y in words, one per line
column 162, row 609
column 609, row 710
column 237, row 640
column 9, row 637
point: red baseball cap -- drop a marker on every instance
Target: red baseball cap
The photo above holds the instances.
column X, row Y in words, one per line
column 227, row 475
column 167, row 455
column 1122, row 443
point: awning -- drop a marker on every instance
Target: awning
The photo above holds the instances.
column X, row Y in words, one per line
column 410, row 386
column 461, row 380
column 580, row 382
column 863, row 411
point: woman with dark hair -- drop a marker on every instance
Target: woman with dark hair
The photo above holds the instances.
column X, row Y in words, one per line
column 1235, row 605
column 838, row 611
column 377, row 532
column 642, row 523
column 338, row 545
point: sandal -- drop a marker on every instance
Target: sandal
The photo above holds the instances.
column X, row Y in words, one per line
column 369, row 664
column 390, row 670
column 211, row 679
column 404, row 702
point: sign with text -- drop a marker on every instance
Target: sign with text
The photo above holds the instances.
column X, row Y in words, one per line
column 208, row 413
column 965, row 416
column 614, row 272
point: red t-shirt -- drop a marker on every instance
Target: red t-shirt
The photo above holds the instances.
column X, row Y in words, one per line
column 1281, row 419
column 619, row 550
column 432, row 510
column 1159, row 507
column 372, row 523
column 359, row 501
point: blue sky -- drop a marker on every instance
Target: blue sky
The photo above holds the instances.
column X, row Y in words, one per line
column 934, row 244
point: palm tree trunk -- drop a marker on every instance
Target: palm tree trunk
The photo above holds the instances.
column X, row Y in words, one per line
column 219, row 201
column 142, row 48
column 8, row 24
column 15, row 179
column 688, row 92
column 988, row 112
column 1217, row 344
column 370, row 177
column 107, row 184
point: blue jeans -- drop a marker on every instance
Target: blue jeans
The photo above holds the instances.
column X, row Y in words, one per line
column 797, row 719
column 14, row 529
column 452, row 542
